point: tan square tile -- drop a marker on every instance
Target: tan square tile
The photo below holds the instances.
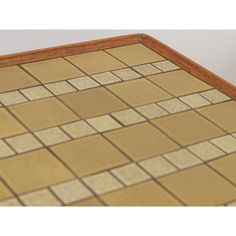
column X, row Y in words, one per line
column 187, row 127
column 206, row 151
column 179, row 82
column 4, row 191
column 127, row 74
column 144, row 194
column 60, row 88
column 130, row 174
column 9, row 125
column 36, row 93
column 84, row 82
column 78, row 129
column 24, row 142
column 226, row 143
column 128, row 117
column 223, row 114
column 52, row 136
column 200, row 186
column 11, row 98
column 103, row 123
column 157, row 166
column 147, row 69
column 135, row 54
column 173, row 105
column 88, row 202
column 5, row 150
column 102, row 183
column 93, row 102
column 195, row 100
column 166, row 66
column 24, row 172
column 13, row 78
column 141, row 141
column 215, row 96
column 52, row 70
column 10, row 202
column 40, row 198
column 139, row 92
column 106, row 78
column 43, row 113
column 95, row 62
column 89, row 155
column 71, row 191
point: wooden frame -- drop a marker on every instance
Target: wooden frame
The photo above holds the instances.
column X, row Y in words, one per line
column 155, row 45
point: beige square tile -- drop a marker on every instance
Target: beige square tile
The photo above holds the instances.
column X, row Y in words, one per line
column 182, row 158
column 24, row 142
column 71, row 191
column 10, row 202
column 157, row 166
column 166, row 66
column 93, row 202
column 5, row 150
column 195, row 100
column 128, row 117
column 232, row 203
column 130, row 174
column 146, row 69
column 234, row 135
column 36, row 93
column 127, row 74
column 78, row 129
column 206, row 151
column 40, row 198
column 102, row 183
column 11, row 98
column 226, row 143
column 173, row 105
column 106, row 78
column 52, row 136
column 215, row 96
column 60, row 88
column 84, row 82
column 103, row 123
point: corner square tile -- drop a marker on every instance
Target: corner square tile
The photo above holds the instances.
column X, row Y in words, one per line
column 59, row 88
column 146, row 69
column 11, row 98
column 10, row 202
column 226, row 143
column 173, row 105
column 4, row 191
column 194, row 100
column 84, row 82
column 106, row 78
column 36, row 93
column 127, row 74
column 166, row 66
column 151, row 111
column 215, row 96
column 5, row 150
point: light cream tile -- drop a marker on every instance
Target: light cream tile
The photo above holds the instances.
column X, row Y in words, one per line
column 84, row 82
column 128, row 117
column 166, row 66
column 147, row 69
column 102, row 182
column 78, row 129
column 40, row 198
column 24, row 142
column 232, row 203
column 215, row 96
column 182, row 158
column 5, row 150
column 36, row 93
column 106, row 78
column 157, row 166
column 10, row 202
column 71, row 191
column 60, row 88
column 173, row 105
column 206, row 151
column 130, row 174
column 52, row 136
column 11, row 98
column 127, row 74
column 195, row 100
column 226, row 143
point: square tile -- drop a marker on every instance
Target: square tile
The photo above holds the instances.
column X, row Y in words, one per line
column 173, row 105
column 187, row 127
column 138, row 92
column 52, row 136
column 40, row 198
column 148, row 193
column 191, row 186
column 215, row 96
column 166, row 66
column 71, row 191
column 232, row 203
column 93, row 102
column 78, row 129
column 59, row 88
column 11, row 98
column 9, row 125
column 126, row 74
column 147, row 69
column 157, row 166
column 106, row 78
column 13, row 78
column 24, row 172
column 84, row 82
column 43, row 113
column 93, row 202
column 226, row 143
column 141, row 141
column 10, row 202
column 222, row 114
column 206, row 151
column 179, row 83
column 24, row 143
column 102, row 183
column 89, row 155
column 195, row 100
column 95, row 62
column 130, row 174
column 128, row 117
column 103, row 123
column 135, row 54
column 36, row 93
column 4, row 191
column 5, row 150
column 52, row 70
